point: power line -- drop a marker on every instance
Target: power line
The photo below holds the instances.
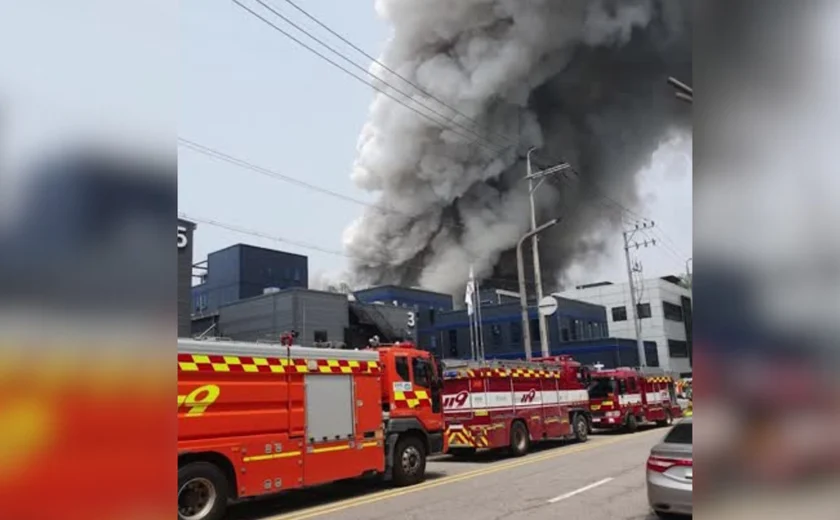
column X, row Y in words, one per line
column 216, row 154
column 492, row 147
column 366, row 71
column 303, row 245
column 242, row 163
column 393, row 72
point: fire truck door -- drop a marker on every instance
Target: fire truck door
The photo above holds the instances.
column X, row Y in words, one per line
column 437, row 386
column 424, row 380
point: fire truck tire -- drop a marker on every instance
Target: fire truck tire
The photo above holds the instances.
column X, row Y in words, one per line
column 202, row 492
column 409, row 461
column 631, row 423
column 520, row 441
column 581, row 428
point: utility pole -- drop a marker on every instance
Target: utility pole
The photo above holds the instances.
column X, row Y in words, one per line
column 523, row 294
column 637, row 321
column 535, row 248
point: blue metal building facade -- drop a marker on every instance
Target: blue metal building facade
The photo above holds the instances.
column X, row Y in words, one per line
column 242, row 271
column 406, row 297
column 577, row 328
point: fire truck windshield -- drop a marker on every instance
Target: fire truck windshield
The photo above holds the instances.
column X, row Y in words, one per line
column 601, row 387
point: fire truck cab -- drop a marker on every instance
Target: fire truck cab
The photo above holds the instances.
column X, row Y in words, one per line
column 626, row 397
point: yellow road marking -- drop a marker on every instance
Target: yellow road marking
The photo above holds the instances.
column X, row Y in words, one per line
column 495, row 468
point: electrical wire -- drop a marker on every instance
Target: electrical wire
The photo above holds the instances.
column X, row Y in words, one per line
column 479, row 142
column 306, row 245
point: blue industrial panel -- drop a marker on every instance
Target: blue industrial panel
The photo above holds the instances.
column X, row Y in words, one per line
column 242, row 271
column 406, row 296
column 261, row 268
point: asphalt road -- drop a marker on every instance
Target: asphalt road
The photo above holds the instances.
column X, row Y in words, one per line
column 602, row 479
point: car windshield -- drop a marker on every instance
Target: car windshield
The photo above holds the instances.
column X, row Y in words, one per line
column 601, row 386
column 682, row 433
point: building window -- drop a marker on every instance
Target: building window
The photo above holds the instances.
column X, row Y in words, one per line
column 677, row 349
column 401, row 363
column 564, row 333
column 453, row 343
column 577, row 332
column 643, row 310
column 619, row 313
column 320, row 336
column 535, row 329
column 496, row 332
column 672, row 312
column 516, row 333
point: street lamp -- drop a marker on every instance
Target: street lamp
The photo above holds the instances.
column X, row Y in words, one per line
column 523, row 296
column 540, row 176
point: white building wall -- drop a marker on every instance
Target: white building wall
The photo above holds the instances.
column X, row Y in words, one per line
column 656, row 328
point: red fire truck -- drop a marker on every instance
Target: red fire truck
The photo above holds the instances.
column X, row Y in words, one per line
column 255, row 419
column 626, row 397
column 509, row 404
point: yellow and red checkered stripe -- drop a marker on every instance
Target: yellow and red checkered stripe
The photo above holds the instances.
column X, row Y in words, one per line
column 501, row 372
column 659, row 379
column 466, row 438
column 220, row 363
column 411, row 400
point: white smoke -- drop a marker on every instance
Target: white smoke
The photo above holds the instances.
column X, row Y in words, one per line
column 521, row 71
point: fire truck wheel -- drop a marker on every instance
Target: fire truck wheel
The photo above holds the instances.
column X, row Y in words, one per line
column 409, row 461
column 632, row 423
column 519, row 440
column 202, row 492
column 581, row 428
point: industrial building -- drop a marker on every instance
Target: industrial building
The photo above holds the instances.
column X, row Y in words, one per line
column 576, row 328
column 255, row 294
column 243, row 271
column 665, row 311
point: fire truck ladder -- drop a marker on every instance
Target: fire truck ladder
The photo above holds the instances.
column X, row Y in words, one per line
column 460, row 364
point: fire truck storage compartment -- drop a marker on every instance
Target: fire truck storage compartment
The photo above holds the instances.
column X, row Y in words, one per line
column 331, row 399
column 329, row 407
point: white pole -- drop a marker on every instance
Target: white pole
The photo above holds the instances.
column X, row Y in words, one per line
column 535, row 252
column 478, row 320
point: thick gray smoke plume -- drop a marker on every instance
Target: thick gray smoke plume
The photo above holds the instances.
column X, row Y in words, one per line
column 584, row 80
